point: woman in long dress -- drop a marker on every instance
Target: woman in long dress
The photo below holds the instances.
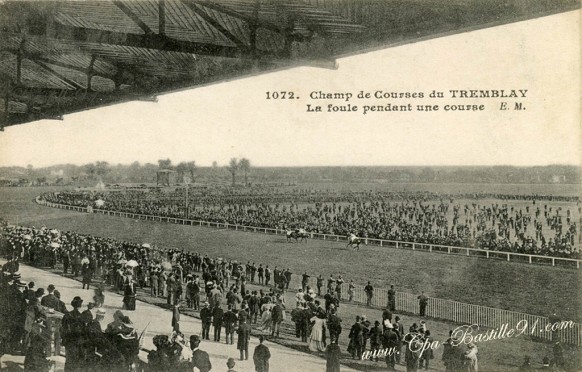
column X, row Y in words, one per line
column 316, row 342
column 266, row 321
column 471, row 355
column 129, row 296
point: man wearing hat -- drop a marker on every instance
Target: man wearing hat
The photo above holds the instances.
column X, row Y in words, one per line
column 277, row 317
column 200, row 358
column 261, row 356
column 399, row 330
column 422, row 303
column 217, row 318
column 356, row 339
column 334, row 324
column 366, row 325
column 229, row 321
column 17, row 311
column 71, row 331
column 242, row 343
column 62, row 308
column 376, row 334
column 50, row 300
column 206, row 318
column 29, row 292
column 391, row 342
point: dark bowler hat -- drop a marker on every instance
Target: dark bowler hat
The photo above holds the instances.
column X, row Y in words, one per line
column 194, row 340
column 77, row 302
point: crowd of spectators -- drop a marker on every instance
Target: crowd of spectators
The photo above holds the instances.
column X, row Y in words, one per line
column 217, row 288
column 467, row 220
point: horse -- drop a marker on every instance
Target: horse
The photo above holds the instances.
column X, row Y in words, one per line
column 354, row 242
column 298, row 235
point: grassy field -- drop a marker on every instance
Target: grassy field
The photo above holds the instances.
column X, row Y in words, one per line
column 514, row 286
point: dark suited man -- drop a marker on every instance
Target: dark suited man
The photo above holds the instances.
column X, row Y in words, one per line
column 71, row 331
column 261, row 356
column 50, row 300
column 206, row 317
column 200, row 358
column 356, row 339
column 217, row 315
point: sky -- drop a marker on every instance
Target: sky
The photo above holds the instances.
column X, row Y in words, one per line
column 234, row 118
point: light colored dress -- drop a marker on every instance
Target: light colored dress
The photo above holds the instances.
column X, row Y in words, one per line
column 316, row 338
column 472, row 365
column 266, row 321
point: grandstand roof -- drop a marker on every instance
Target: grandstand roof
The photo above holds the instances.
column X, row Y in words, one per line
column 58, row 57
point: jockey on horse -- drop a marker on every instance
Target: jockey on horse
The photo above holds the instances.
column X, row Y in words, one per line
column 354, row 241
column 297, row 234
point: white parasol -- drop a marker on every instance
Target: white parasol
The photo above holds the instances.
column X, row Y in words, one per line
column 131, row 263
column 54, row 231
column 122, row 261
column 167, row 266
column 55, row 245
column 99, row 202
column 146, row 245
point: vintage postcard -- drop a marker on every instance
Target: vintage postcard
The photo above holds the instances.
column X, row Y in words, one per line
column 303, row 185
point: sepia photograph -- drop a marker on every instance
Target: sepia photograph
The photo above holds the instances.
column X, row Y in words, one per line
column 299, row 185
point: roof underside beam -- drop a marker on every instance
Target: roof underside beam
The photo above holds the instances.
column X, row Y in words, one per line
column 214, row 23
column 233, row 13
column 128, row 12
column 158, row 42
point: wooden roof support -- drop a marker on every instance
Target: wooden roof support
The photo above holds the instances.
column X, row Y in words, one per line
column 68, row 81
column 159, row 42
column 19, row 56
column 90, row 71
column 214, row 23
column 233, row 13
column 162, row 17
column 253, row 27
column 128, row 12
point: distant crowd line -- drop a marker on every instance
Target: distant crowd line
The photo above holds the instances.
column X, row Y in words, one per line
column 409, row 217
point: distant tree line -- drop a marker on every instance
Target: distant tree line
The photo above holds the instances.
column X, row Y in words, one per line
column 236, row 168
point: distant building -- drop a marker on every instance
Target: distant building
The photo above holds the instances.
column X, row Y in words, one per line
column 165, row 177
column 558, row 178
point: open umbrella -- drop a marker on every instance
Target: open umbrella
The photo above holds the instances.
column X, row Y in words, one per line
column 146, row 245
column 131, row 263
column 122, row 261
column 27, row 237
column 55, row 245
column 99, row 202
column 54, row 231
column 167, row 266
